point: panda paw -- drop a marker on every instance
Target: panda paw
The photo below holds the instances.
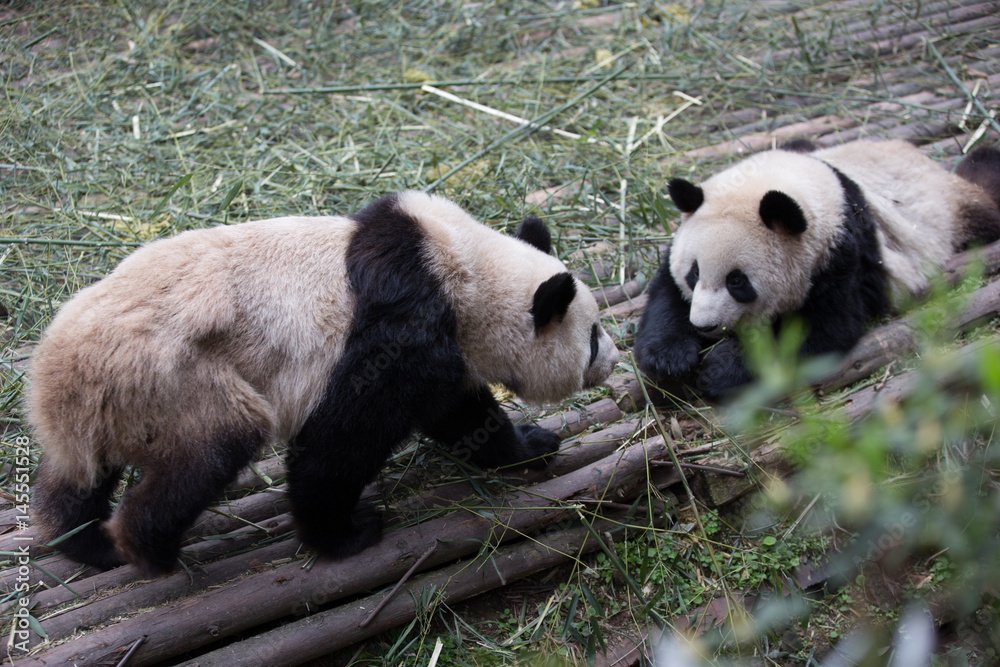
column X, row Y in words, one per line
column 524, row 446
column 723, row 371
column 537, row 445
column 362, row 530
column 662, row 360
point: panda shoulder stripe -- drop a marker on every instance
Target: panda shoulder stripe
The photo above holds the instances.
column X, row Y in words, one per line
column 854, row 196
column 378, row 210
column 387, row 254
column 858, row 224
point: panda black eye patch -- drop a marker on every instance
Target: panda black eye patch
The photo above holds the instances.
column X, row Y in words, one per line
column 739, row 286
column 692, row 277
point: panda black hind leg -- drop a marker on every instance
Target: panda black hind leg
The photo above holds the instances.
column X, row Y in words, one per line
column 982, row 167
column 149, row 524
column 64, row 506
column 480, row 431
column 981, row 215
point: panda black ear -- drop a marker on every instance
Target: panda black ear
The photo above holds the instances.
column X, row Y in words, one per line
column 552, row 299
column 686, row 195
column 780, row 213
column 800, row 145
column 534, row 232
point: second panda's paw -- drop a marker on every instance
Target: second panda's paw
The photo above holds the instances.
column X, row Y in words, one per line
column 667, row 359
column 537, row 446
column 723, row 371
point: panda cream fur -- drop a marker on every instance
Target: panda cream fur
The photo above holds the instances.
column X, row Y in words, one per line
column 834, row 236
column 338, row 335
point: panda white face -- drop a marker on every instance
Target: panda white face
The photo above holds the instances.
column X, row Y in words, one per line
column 720, row 278
column 719, row 301
column 751, row 238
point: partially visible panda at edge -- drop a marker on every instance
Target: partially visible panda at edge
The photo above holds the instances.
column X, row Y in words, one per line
column 835, row 236
column 338, row 335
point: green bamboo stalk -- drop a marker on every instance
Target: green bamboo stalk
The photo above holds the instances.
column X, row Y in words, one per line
column 528, row 127
column 69, row 242
column 375, row 87
column 961, row 86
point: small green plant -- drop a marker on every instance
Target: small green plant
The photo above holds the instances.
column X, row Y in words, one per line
column 906, row 488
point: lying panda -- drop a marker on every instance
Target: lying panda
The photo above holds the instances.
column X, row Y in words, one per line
column 338, row 335
column 833, row 236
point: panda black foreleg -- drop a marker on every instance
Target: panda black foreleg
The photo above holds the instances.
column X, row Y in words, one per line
column 834, row 319
column 341, row 448
column 392, row 373
column 479, row 430
column 828, row 330
column 328, row 468
column 723, row 370
column 666, row 345
column 401, row 361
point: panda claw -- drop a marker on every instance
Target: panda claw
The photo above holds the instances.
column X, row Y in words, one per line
column 723, row 371
column 538, row 445
column 671, row 360
column 363, row 530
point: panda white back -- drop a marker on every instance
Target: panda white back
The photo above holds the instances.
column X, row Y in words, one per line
column 265, row 291
column 917, row 204
column 289, row 280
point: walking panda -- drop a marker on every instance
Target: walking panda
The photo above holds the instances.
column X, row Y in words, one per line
column 338, row 335
column 833, row 236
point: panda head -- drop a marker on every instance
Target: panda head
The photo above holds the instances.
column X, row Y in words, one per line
column 567, row 348
column 752, row 237
column 523, row 319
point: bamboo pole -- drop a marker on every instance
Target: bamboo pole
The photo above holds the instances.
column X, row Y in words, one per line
column 328, row 631
column 289, row 589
